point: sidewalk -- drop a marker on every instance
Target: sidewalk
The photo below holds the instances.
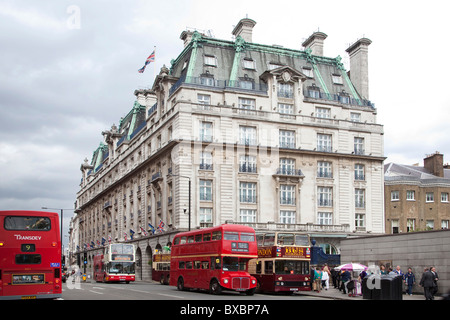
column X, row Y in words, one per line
column 335, row 294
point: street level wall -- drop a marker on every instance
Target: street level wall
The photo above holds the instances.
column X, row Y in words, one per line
column 417, row 250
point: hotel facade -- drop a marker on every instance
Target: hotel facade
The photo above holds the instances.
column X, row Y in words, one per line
column 238, row 132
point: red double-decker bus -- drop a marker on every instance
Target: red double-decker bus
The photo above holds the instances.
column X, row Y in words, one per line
column 283, row 262
column 214, row 259
column 117, row 264
column 161, row 267
column 30, row 255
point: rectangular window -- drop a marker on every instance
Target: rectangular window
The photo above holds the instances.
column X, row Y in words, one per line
column 287, row 139
column 308, row 72
column 247, row 192
column 337, row 79
column 287, row 216
column 429, row 197
column 247, row 135
column 285, row 90
column 287, row 166
column 325, row 218
column 324, row 169
column 410, row 225
column 410, row 195
column 324, row 142
column 249, row 64
column 247, row 164
column 206, row 131
column 206, row 216
column 248, row 104
column 360, row 220
column 325, row 196
column 284, row 108
column 355, row 117
column 206, row 161
column 204, row 99
column 210, row 60
column 27, row 223
column 360, row 198
column 324, row 113
column 444, row 197
column 359, row 172
column 395, row 195
column 287, row 194
column 205, row 190
column 359, row 145
column 247, row 215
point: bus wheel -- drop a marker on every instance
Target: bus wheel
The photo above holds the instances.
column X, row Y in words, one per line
column 214, row 287
column 161, row 281
column 180, row 284
column 250, row 292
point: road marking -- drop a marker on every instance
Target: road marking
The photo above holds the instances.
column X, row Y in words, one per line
column 96, row 292
column 170, row 295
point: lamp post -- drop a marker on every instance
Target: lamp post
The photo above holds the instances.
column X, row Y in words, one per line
column 189, row 205
column 61, row 232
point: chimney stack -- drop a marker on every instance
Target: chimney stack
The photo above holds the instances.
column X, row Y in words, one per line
column 244, row 29
column 315, row 42
column 435, row 164
column 359, row 66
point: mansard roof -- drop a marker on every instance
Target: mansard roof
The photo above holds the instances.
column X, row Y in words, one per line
column 394, row 172
column 227, row 65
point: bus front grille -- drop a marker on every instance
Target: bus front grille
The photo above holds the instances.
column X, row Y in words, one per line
column 241, row 283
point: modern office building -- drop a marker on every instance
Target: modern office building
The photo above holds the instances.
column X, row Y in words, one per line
column 239, row 132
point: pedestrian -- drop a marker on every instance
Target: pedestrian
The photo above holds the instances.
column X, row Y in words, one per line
column 326, row 277
column 383, row 269
column 428, row 283
column 391, row 272
column 345, row 278
column 361, row 277
column 318, row 279
column 398, row 271
column 334, row 278
column 435, row 279
column 410, row 280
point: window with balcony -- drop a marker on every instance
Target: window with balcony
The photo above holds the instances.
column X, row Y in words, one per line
column 284, row 108
column 206, row 217
column 247, row 192
column 287, row 139
column 359, row 172
column 325, row 218
column 204, row 99
column 324, row 169
column 324, row 113
column 360, row 220
column 325, row 196
column 287, row 166
column 247, row 104
column 247, row 135
column 206, row 161
column 247, row 163
column 247, row 215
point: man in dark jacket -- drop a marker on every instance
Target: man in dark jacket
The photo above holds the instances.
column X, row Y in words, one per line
column 345, row 278
column 428, row 282
column 410, row 280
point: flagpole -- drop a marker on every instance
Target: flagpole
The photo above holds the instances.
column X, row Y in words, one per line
column 154, row 68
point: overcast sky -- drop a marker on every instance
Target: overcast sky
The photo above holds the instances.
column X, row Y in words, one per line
column 69, row 70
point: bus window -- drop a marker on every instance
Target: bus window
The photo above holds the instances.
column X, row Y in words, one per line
column 217, row 235
column 198, row 238
column 260, row 239
column 205, row 265
column 301, row 240
column 231, row 236
column 188, row 264
column 27, row 223
column 286, row 239
column 197, row 264
column 207, row 237
column 268, row 267
column 176, row 241
column 215, row 263
column 181, row 264
column 269, row 239
column 28, row 258
column 247, row 237
column 190, row 239
column 183, row 240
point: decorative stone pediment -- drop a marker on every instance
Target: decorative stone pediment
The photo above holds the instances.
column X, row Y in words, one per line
column 284, row 74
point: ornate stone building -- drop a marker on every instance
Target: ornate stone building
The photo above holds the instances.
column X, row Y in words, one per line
column 239, row 132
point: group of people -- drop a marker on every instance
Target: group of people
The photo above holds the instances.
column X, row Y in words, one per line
column 342, row 279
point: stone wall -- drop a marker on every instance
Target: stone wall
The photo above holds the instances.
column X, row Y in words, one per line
column 417, row 250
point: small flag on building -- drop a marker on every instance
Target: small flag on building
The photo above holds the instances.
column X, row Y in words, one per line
column 152, row 228
column 151, row 58
column 161, row 226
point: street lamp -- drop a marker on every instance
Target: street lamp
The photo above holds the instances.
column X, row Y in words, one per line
column 189, row 206
column 62, row 210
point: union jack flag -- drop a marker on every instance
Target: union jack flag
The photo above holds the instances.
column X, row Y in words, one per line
column 161, row 226
column 151, row 58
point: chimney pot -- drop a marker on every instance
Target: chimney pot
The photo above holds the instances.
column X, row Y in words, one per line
column 315, row 42
column 359, row 66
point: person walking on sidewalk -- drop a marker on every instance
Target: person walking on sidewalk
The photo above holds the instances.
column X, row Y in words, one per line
column 428, row 284
column 326, row 277
column 345, row 279
column 318, row 279
column 410, row 280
